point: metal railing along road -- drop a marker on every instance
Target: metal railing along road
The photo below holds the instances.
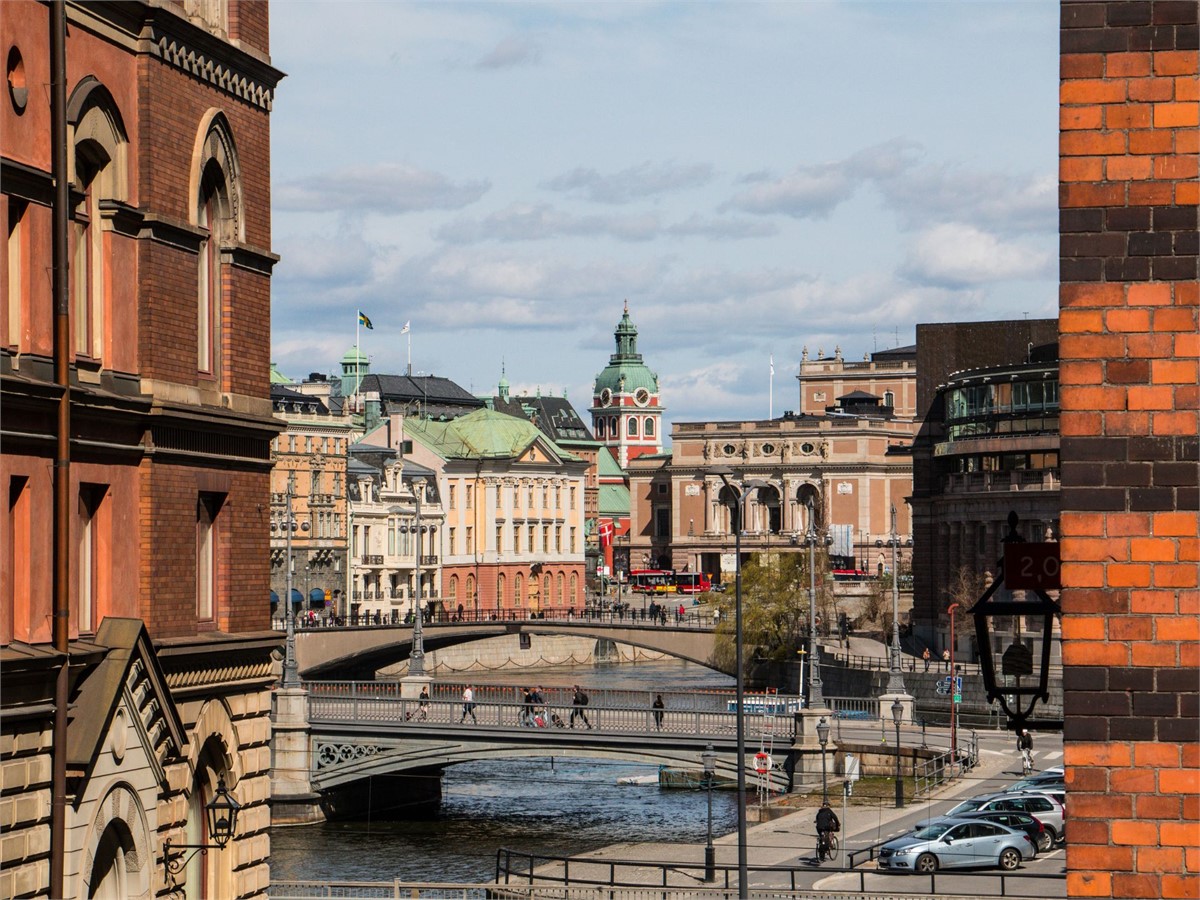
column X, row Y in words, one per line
column 402, row 890
column 628, row 616
column 515, row 868
column 502, row 706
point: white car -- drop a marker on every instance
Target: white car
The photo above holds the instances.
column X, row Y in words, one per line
column 950, row 843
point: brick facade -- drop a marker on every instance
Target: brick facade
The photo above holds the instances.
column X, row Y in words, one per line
column 169, row 454
column 1129, row 349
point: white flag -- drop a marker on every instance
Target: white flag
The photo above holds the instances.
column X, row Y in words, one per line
column 404, row 330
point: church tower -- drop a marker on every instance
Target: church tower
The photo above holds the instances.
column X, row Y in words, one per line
column 626, row 408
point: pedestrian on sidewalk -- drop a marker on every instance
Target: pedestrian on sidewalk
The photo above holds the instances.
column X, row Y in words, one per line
column 578, row 702
column 526, row 707
column 658, row 706
column 468, row 699
column 925, row 657
column 946, row 660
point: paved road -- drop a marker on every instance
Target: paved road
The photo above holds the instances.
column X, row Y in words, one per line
column 790, row 841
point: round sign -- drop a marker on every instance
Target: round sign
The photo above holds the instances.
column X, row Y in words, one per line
column 762, row 763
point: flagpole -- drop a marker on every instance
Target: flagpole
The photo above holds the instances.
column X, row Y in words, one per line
column 409, row 352
column 771, row 391
column 357, row 357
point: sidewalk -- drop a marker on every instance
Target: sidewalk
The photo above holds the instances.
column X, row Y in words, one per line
column 789, row 840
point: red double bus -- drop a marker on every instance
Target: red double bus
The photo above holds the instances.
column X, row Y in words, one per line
column 667, row 581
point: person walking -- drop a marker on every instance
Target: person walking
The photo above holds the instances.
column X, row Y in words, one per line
column 526, row 707
column 578, row 702
column 658, row 706
column 423, row 703
column 468, row 700
column 540, row 713
column 946, row 660
column 925, row 656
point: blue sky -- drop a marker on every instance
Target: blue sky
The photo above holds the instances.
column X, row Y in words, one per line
column 753, row 178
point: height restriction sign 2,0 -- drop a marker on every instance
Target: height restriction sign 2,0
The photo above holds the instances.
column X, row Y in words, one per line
column 1032, row 567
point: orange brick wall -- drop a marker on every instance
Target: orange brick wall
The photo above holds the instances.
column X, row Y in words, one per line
column 1129, row 117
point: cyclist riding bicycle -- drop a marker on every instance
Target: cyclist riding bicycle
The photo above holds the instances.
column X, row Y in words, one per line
column 1025, row 745
column 827, row 823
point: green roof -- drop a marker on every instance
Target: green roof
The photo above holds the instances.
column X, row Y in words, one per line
column 613, row 500
column 482, row 434
column 606, row 464
column 278, row 377
column 626, row 372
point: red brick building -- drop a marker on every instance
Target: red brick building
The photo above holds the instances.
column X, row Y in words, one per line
column 157, row 309
column 1129, row 345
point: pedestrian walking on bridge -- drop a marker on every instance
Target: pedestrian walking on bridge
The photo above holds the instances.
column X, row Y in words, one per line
column 468, row 699
column 658, row 706
column 578, row 702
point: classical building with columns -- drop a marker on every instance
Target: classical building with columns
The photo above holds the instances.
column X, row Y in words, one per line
column 847, row 453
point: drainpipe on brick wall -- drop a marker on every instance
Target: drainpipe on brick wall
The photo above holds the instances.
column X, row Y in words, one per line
column 62, row 457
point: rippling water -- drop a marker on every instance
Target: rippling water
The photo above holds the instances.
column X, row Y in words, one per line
column 558, row 807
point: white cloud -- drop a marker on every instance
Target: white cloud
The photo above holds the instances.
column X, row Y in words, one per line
column 632, row 184
column 510, row 53
column 539, row 222
column 389, row 188
column 955, row 254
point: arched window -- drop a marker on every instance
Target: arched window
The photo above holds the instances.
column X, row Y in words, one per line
column 546, row 590
column 614, row 430
column 600, row 428
column 500, row 585
column 889, row 399
column 558, row 585
column 648, row 427
column 453, row 591
column 217, row 213
column 574, row 595
column 632, row 425
column 99, row 175
column 470, row 588
column 519, row 590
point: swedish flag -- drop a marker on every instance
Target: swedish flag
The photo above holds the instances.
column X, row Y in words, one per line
column 363, row 320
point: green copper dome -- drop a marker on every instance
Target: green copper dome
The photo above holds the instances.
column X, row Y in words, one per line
column 625, row 372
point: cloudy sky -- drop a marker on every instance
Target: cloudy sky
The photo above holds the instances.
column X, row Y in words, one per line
column 753, row 177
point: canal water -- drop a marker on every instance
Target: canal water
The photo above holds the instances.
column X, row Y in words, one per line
column 542, row 806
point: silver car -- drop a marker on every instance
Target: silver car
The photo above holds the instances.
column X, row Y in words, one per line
column 1045, row 807
column 956, row 843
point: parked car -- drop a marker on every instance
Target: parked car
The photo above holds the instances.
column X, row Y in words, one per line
column 951, row 843
column 1042, row 839
column 1044, row 806
column 1037, row 782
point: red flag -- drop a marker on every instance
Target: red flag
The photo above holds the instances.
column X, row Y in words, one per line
column 606, row 533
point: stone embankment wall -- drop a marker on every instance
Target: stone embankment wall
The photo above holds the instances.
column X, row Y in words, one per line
column 545, row 651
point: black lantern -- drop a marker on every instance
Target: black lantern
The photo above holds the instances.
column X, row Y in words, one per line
column 1031, row 567
column 898, row 717
column 222, row 814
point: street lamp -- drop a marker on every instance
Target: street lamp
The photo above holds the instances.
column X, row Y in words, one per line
column 710, row 767
column 898, row 717
column 291, row 674
column 416, row 659
column 895, row 675
column 736, row 505
column 815, row 698
column 953, row 683
column 823, row 738
column 222, row 812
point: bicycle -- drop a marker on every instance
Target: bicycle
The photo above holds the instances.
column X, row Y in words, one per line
column 827, row 845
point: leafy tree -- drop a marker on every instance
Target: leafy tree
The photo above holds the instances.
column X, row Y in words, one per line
column 775, row 608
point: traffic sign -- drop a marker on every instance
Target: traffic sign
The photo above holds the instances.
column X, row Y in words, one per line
column 958, row 698
column 958, row 684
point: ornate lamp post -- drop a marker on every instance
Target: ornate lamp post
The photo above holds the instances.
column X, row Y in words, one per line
column 736, row 503
column 895, row 685
column 291, row 675
column 416, row 659
column 710, row 768
column 823, row 738
column 898, row 717
column 815, row 699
